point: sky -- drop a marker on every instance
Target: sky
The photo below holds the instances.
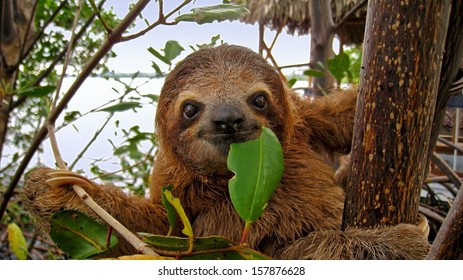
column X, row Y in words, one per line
column 133, row 56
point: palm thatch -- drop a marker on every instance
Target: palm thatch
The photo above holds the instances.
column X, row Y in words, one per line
column 294, row 17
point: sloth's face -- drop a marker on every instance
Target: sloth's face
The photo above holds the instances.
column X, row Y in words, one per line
column 216, row 97
column 212, row 117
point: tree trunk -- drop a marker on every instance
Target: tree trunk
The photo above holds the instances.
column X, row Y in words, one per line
column 321, row 34
column 17, row 32
column 403, row 51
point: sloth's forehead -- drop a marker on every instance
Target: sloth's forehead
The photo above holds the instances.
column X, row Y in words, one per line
column 222, row 90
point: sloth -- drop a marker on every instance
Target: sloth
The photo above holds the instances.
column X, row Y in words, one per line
column 224, row 95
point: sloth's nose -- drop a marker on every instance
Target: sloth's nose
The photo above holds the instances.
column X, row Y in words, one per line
column 228, row 119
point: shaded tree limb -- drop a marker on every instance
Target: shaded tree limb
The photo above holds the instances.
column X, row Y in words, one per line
column 448, row 243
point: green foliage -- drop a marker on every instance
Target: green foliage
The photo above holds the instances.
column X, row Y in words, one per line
column 344, row 67
column 171, row 213
column 37, row 91
column 121, row 107
column 339, row 66
column 206, row 248
column 171, row 50
column 258, row 167
column 17, row 241
column 214, row 41
column 78, row 235
column 210, row 14
column 355, row 58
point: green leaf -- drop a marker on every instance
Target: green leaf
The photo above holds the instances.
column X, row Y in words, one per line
column 175, row 202
column 314, row 73
column 207, row 248
column 37, row 91
column 71, row 116
column 17, row 241
column 159, row 56
column 219, row 12
column 171, row 213
column 123, row 106
column 156, row 68
column 258, row 167
column 292, row 82
column 338, row 65
column 172, row 50
column 78, row 235
column 153, row 97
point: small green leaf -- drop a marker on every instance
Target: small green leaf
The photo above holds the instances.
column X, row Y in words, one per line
column 171, row 213
column 258, row 167
column 123, row 106
column 79, row 236
column 153, row 97
column 156, row 68
column 338, row 66
column 71, row 116
column 17, row 241
column 37, row 91
column 292, row 82
column 219, row 12
column 187, row 229
column 159, row 56
column 314, row 73
column 172, row 50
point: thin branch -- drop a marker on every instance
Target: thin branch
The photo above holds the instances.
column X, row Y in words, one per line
column 148, row 157
column 67, row 57
column 161, row 20
column 100, row 17
column 448, row 242
column 444, row 167
column 94, row 137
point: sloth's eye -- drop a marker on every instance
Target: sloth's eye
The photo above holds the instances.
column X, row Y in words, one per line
column 259, row 101
column 190, row 110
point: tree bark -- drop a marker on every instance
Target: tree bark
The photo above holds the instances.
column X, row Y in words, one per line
column 321, row 40
column 403, row 51
column 17, row 33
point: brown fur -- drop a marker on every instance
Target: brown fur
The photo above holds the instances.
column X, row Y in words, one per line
column 303, row 217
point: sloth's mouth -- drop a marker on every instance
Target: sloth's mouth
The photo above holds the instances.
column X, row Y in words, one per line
column 222, row 141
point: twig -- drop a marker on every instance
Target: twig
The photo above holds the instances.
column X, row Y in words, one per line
column 444, row 167
column 94, row 137
column 148, row 157
column 100, row 17
column 161, row 20
column 67, row 57
column 448, row 243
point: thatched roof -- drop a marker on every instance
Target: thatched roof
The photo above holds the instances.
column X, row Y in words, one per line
column 294, row 16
